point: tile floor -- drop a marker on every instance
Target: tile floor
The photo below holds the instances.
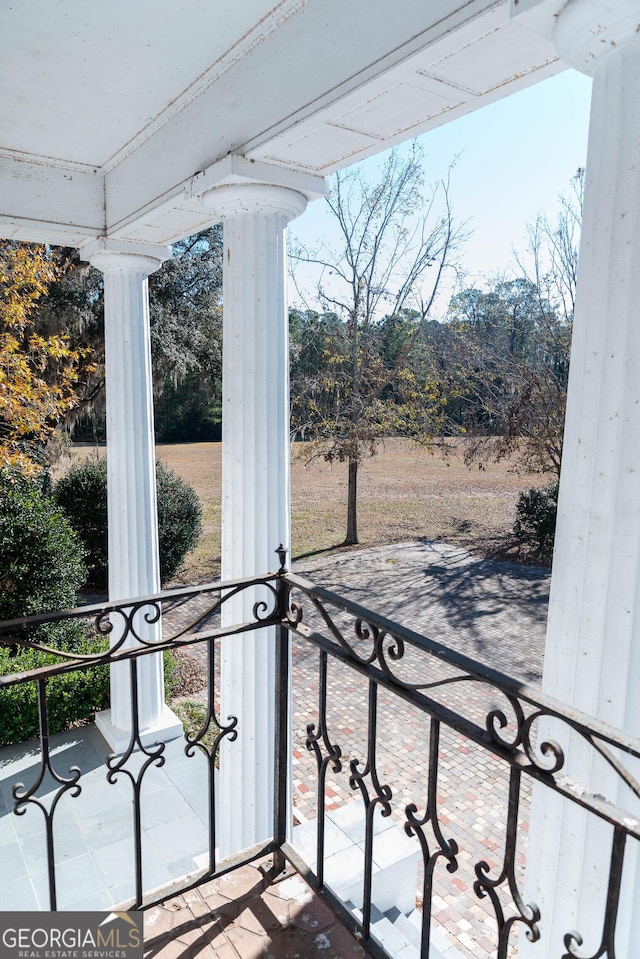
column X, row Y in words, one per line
column 94, row 831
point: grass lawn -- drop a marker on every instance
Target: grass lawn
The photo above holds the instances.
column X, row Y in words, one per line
column 404, row 493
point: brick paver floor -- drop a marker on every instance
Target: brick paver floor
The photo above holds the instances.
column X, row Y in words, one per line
column 492, row 612
column 244, row 916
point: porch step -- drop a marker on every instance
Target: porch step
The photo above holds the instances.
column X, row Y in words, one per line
column 411, row 926
column 412, row 931
column 399, row 934
column 395, row 922
column 387, row 933
column 395, row 857
column 393, row 939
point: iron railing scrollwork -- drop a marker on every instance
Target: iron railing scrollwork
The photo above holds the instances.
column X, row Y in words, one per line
column 528, row 913
column 607, row 945
column 118, row 765
column 125, row 633
column 532, row 736
column 380, row 797
column 326, row 754
column 200, row 740
column 446, row 849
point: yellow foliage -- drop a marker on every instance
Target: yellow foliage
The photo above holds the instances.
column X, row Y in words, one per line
column 38, row 374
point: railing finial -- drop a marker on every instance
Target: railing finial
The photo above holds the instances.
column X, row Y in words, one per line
column 282, row 556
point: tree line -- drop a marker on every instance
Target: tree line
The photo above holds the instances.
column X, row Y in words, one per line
column 369, row 359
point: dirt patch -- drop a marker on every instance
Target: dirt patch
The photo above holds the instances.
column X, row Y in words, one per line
column 191, row 676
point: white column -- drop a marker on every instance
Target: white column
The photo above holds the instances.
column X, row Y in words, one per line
column 255, row 485
column 134, row 565
column 593, row 639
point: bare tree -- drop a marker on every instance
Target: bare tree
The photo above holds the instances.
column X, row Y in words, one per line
column 396, row 242
column 516, row 398
column 553, row 250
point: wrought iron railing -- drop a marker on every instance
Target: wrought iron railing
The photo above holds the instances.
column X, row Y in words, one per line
column 531, row 736
column 199, row 609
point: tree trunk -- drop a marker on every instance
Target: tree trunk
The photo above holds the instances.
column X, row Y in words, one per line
column 351, row 538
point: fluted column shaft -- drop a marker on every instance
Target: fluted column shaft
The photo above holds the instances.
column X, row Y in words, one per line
column 592, row 655
column 255, row 485
column 134, row 565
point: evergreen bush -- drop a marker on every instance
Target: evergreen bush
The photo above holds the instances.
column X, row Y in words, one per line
column 82, row 495
column 535, row 524
column 42, row 565
column 72, row 697
column 41, row 571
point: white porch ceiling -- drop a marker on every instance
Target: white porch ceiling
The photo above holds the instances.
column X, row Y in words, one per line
column 83, row 83
column 115, row 116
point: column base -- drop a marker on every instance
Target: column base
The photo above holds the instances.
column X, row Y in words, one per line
column 167, row 728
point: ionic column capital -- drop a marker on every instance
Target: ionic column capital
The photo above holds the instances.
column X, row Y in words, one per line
column 255, row 199
column 121, row 256
column 587, row 31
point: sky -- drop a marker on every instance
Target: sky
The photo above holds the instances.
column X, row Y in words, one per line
column 514, row 158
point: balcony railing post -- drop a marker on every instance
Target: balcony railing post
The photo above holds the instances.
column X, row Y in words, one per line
column 282, row 699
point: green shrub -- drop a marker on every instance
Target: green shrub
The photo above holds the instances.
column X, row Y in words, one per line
column 179, row 520
column 41, row 571
column 82, row 494
column 535, row 524
column 71, row 697
column 41, row 565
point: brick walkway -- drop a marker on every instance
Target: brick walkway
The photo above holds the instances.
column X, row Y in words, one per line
column 492, row 612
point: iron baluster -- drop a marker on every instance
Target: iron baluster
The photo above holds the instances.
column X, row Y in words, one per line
column 23, row 797
column 382, row 796
column 529, row 914
column 414, row 826
column 281, row 746
column 117, row 766
column 608, row 944
column 332, row 754
column 211, row 753
column 282, row 699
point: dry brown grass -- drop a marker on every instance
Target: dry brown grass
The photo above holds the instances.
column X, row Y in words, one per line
column 404, row 493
